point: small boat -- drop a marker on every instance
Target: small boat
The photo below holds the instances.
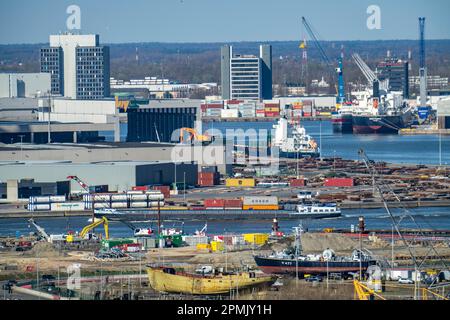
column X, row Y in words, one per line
column 171, row 280
column 318, row 211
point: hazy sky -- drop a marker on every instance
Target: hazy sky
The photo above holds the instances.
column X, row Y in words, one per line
column 31, row 21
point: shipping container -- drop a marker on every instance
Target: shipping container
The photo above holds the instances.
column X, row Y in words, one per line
column 208, row 179
column 140, row 188
column 137, row 197
column 208, row 169
column 109, row 244
column 47, row 199
column 260, row 207
column 114, row 205
column 119, row 197
column 197, row 208
column 68, row 206
column 165, row 190
column 99, row 189
column 155, row 195
column 233, row 203
column 214, row 203
column 272, row 114
column 264, row 200
column 39, row 207
column 240, row 182
column 256, row 238
column 339, row 182
column 297, row 183
column 229, row 113
column 138, row 204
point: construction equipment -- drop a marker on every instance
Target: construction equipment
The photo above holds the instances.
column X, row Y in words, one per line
column 194, row 136
column 40, row 230
column 384, row 188
column 80, row 182
column 362, row 292
column 94, row 224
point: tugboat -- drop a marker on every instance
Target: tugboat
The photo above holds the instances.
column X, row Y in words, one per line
column 291, row 261
column 293, row 142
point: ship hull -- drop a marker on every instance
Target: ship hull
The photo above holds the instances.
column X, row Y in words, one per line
column 167, row 280
column 295, row 155
column 316, row 216
column 342, row 123
column 289, row 266
column 378, row 124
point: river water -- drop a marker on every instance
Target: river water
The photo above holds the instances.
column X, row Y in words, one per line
column 421, row 149
column 426, row 218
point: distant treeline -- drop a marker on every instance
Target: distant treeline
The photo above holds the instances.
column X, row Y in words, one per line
column 200, row 62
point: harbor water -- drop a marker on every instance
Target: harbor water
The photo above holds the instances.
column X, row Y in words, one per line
column 435, row 218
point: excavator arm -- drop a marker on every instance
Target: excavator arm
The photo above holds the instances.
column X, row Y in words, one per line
column 94, row 224
column 193, row 135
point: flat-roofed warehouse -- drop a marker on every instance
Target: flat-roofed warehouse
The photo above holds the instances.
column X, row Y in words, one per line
column 119, row 176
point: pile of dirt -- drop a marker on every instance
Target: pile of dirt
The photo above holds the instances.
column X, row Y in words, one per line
column 44, row 250
column 317, row 242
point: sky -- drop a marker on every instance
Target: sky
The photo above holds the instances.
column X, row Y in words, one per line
column 122, row 21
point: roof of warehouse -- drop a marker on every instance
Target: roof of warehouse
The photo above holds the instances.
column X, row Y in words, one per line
column 69, row 163
column 99, row 145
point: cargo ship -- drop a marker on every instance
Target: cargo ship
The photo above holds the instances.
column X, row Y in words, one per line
column 381, row 114
column 342, row 122
column 327, row 262
column 293, row 142
column 214, row 282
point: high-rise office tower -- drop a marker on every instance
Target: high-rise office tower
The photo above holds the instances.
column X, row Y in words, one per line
column 79, row 66
column 246, row 76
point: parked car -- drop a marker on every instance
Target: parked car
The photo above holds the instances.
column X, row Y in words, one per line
column 314, row 279
column 405, row 281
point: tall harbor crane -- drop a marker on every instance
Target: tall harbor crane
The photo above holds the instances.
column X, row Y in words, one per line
column 382, row 189
column 340, row 90
column 422, row 66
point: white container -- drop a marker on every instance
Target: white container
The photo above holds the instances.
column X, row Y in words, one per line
column 119, row 197
column 155, row 196
column 135, row 192
column 119, row 205
column 260, row 201
column 138, row 205
column 98, row 197
column 67, row 206
column 39, row 207
column 48, row 199
column 138, row 197
column 154, row 204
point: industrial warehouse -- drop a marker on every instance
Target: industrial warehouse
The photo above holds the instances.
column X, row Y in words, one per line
column 224, row 171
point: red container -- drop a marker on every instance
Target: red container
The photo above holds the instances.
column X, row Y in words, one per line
column 272, row 114
column 214, row 203
column 271, row 105
column 165, row 190
column 198, row 208
column 234, row 101
column 208, row 179
column 297, row 183
column 339, row 182
column 233, row 203
column 142, row 188
column 307, row 114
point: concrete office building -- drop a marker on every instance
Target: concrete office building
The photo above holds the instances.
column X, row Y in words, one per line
column 119, row 176
column 397, row 72
column 246, row 76
column 79, row 66
column 24, row 85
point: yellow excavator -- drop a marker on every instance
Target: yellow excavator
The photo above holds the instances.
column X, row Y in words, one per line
column 95, row 224
column 194, row 136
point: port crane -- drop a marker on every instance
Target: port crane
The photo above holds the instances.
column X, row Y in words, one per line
column 382, row 189
column 40, row 230
column 340, row 89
